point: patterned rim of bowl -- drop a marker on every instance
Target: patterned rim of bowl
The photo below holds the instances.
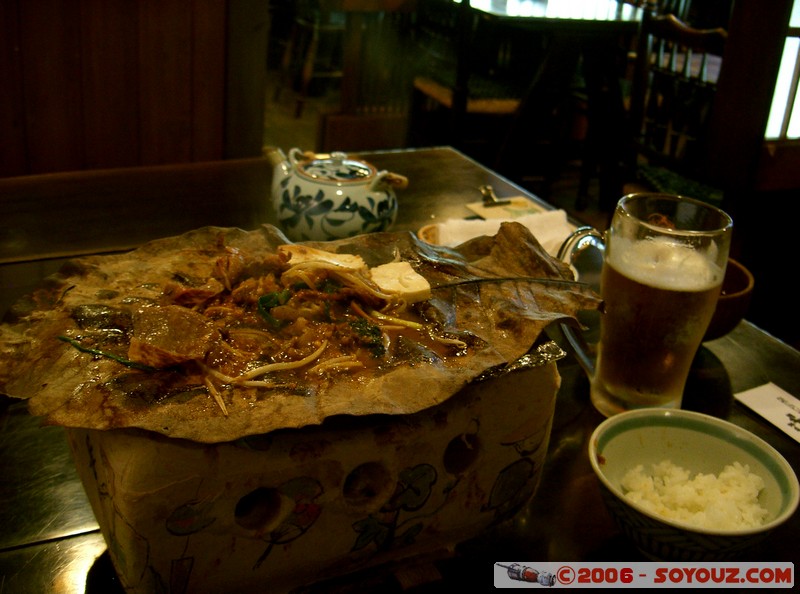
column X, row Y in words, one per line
column 740, row 438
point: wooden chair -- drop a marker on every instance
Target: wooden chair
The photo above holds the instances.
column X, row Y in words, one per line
column 679, row 8
column 629, row 46
column 317, row 26
column 471, row 76
column 373, row 105
column 672, row 97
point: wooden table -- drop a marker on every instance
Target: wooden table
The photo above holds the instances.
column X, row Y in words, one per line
column 50, row 541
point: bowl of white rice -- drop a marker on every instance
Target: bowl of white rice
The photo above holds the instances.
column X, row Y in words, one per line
column 686, row 486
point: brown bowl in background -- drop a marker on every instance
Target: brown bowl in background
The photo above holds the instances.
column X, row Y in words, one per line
column 737, row 290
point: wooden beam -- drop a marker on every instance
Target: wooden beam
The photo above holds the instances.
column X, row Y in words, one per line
column 744, row 93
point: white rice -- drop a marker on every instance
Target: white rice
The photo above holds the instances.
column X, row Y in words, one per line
column 725, row 502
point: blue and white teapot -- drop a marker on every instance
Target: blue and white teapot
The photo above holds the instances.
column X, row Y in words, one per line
column 327, row 197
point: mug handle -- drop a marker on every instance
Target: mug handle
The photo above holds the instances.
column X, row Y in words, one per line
column 579, row 241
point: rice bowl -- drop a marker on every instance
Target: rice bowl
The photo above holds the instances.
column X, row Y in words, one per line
column 700, row 444
column 728, row 501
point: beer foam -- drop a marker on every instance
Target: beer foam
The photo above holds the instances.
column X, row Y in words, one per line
column 664, row 264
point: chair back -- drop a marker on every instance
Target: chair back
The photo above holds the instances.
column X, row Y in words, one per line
column 375, row 73
column 674, row 87
column 680, row 8
column 478, row 58
column 436, row 35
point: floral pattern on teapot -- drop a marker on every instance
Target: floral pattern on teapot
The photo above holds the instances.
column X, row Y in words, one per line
column 332, row 198
column 323, row 216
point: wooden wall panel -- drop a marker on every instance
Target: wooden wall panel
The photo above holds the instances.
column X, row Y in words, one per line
column 90, row 84
column 246, row 66
column 165, row 67
column 110, row 79
column 208, row 76
column 51, row 64
column 778, row 166
column 747, row 79
column 12, row 119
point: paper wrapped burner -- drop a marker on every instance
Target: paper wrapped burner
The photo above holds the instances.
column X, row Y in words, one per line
column 286, row 489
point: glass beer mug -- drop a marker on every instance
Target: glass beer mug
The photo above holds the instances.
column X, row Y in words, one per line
column 664, row 259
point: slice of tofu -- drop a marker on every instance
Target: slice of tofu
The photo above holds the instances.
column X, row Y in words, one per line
column 399, row 278
column 301, row 254
column 394, row 278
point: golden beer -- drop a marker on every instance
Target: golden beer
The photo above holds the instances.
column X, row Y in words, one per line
column 659, row 298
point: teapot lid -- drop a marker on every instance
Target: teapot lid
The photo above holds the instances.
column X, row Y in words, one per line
column 336, row 168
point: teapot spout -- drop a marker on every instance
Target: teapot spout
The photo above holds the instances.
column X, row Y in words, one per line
column 274, row 156
column 278, row 161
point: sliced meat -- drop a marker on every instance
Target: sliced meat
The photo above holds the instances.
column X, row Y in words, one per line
column 191, row 295
column 170, row 335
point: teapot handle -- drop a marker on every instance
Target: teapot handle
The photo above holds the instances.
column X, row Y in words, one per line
column 393, row 180
column 297, row 155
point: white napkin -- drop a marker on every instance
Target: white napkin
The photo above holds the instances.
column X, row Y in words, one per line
column 550, row 228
